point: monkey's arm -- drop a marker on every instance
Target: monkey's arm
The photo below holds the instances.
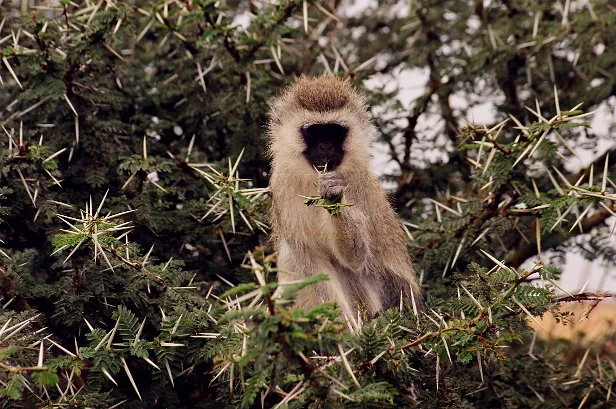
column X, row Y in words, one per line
column 350, row 239
column 350, row 230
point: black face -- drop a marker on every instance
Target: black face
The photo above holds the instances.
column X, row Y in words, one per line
column 324, row 144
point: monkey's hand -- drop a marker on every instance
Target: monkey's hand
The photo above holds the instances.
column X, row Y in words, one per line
column 349, row 240
column 332, row 186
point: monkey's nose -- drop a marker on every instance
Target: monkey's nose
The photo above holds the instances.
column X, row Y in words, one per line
column 326, row 148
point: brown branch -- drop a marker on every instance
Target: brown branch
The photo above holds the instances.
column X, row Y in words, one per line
column 523, row 251
column 584, row 297
column 429, row 335
column 408, row 135
column 22, row 369
column 136, row 266
column 443, row 93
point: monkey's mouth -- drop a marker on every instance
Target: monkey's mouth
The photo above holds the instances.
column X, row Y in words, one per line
column 324, row 144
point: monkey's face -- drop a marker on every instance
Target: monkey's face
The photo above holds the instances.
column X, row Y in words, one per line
column 324, row 144
column 316, row 122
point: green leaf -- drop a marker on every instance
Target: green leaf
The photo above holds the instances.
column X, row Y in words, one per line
column 254, row 385
column 465, row 357
column 291, row 290
column 46, row 378
column 239, row 289
column 15, row 387
column 8, row 351
column 377, row 392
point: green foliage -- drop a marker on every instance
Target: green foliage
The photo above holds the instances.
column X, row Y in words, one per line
column 7, row 352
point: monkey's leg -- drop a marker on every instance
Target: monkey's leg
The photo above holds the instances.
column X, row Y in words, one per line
column 365, row 290
column 295, row 263
column 350, row 239
column 398, row 286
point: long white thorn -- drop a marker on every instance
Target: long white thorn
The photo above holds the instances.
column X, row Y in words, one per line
column 604, row 182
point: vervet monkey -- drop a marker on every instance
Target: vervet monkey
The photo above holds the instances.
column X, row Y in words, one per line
column 321, row 121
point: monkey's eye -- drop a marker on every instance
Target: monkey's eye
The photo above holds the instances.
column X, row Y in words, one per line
column 331, row 131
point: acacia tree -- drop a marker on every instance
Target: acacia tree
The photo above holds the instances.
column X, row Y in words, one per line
column 135, row 268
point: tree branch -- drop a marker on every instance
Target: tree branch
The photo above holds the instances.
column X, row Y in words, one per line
column 524, row 250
